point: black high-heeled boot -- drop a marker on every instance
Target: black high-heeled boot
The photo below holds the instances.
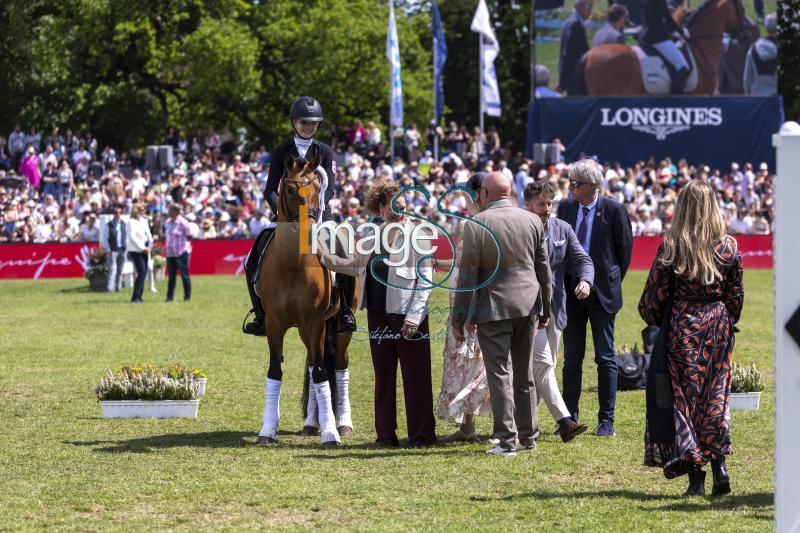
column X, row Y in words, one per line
column 697, row 483
column 722, row 482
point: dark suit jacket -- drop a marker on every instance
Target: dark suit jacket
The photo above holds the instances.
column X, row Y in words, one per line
column 573, row 45
column 610, row 249
column 112, row 236
column 608, row 34
column 566, row 255
column 277, row 169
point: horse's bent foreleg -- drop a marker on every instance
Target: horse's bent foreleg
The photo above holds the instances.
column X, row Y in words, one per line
column 344, row 418
column 314, row 338
column 272, row 385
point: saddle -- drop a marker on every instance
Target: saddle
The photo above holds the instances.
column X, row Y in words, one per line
column 658, row 73
column 253, row 266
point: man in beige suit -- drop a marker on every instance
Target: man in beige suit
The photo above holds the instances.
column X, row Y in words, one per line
column 512, row 257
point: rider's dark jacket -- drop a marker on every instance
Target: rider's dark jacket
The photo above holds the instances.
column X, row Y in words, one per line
column 277, row 170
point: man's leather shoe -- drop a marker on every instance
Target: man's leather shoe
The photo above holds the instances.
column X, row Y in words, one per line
column 256, row 327
column 570, row 430
column 386, row 443
column 347, row 322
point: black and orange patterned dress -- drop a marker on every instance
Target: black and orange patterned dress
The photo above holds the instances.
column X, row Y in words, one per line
column 699, row 345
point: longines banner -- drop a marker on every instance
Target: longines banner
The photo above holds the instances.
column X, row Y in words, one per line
column 715, row 130
column 40, row 261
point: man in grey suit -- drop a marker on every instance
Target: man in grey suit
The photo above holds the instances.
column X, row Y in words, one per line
column 511, row 259
column 564, row 253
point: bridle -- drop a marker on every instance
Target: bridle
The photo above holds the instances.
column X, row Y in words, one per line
column 294, row 217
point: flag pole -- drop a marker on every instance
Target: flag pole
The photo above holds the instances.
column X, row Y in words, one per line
column 391, row 97
column 435, row 93
column 480, row 89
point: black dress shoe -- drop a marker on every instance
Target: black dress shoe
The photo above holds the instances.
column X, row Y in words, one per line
column 417, row 443
column 386, row 443
column 256, row 327
column 697, row 483
column 722, row 482
column 347, row 322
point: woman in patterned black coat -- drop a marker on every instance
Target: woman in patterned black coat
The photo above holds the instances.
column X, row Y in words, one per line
column 698, row 271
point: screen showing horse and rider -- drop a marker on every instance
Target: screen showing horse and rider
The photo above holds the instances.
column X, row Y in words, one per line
column 656, row 47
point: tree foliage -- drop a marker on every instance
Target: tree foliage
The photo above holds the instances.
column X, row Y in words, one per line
column 128, row 69
column 788, row 51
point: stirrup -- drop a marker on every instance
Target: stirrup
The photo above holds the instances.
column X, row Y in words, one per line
column 245, row 324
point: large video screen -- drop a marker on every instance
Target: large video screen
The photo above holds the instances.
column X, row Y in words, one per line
column 656, row 47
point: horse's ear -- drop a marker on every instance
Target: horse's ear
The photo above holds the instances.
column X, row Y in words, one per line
column 288, row 163
column 315, row 161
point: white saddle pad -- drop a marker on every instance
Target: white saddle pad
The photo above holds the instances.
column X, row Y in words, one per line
column 656, row 76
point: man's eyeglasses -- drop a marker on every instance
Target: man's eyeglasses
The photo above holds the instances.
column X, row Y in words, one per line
column 574, row 184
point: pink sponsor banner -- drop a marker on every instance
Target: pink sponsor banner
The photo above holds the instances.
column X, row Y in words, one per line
column 43, row 261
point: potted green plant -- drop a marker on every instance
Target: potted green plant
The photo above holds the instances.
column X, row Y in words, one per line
column 144, row 391
column 97, row 270
column 746, row 387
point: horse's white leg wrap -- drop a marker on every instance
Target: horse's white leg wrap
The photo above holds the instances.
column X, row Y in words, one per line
column 327, row 422
column 343, row 416
column 269, row 424
column 311, row 411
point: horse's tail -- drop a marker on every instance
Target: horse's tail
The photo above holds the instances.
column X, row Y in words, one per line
column 580, row 78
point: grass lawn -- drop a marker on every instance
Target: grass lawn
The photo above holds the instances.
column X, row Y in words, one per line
column 547, row 52
column 65, row 467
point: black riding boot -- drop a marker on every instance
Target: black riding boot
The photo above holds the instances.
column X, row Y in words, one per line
column 697, row 483
column 722, row 482
column 347, row 289
column 256, row 326
column 679, row 81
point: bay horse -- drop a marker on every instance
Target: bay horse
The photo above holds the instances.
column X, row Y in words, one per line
column 613, row 69
column 296, row 291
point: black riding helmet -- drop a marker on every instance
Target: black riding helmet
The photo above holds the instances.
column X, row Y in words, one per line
column 306, row 108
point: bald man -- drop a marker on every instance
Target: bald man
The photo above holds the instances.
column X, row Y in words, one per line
column 511, row 259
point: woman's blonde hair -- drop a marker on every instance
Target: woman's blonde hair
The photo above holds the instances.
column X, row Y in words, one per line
column 697, row 228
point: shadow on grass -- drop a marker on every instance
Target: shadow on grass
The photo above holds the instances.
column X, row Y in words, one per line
column 73, row 290
column 757, row 502
column 210, row 439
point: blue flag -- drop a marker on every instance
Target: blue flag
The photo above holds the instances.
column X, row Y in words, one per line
column 439, row 59
column 393, row 54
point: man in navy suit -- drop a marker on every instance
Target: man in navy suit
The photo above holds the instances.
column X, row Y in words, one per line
column 574, row 44
column 604, row 230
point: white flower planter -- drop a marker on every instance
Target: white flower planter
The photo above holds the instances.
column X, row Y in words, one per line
column 745, row 401
column 150, row 408
column 201, row 386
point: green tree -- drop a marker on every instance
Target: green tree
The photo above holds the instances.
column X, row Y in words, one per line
column 128, row 69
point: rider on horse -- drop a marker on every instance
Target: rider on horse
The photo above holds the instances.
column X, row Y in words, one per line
column 306, row 115
column 656, row 29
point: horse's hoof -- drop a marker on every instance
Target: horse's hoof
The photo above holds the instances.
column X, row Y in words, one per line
column 345, row 431
column 332, row 443
column 265, row 441
column 309, row 431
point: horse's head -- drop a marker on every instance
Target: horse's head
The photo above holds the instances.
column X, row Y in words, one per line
column 299, row 187
column 715, row 17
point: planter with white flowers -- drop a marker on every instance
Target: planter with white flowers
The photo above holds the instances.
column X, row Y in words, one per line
column 746, row 387
column 147, row 392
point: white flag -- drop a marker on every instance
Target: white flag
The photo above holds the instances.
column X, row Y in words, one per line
column 393, row 54
column 490, row 91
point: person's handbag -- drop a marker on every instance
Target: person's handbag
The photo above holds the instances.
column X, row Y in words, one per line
column 632, row 371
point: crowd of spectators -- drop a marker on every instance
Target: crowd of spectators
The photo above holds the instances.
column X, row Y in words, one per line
column 53, row 187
